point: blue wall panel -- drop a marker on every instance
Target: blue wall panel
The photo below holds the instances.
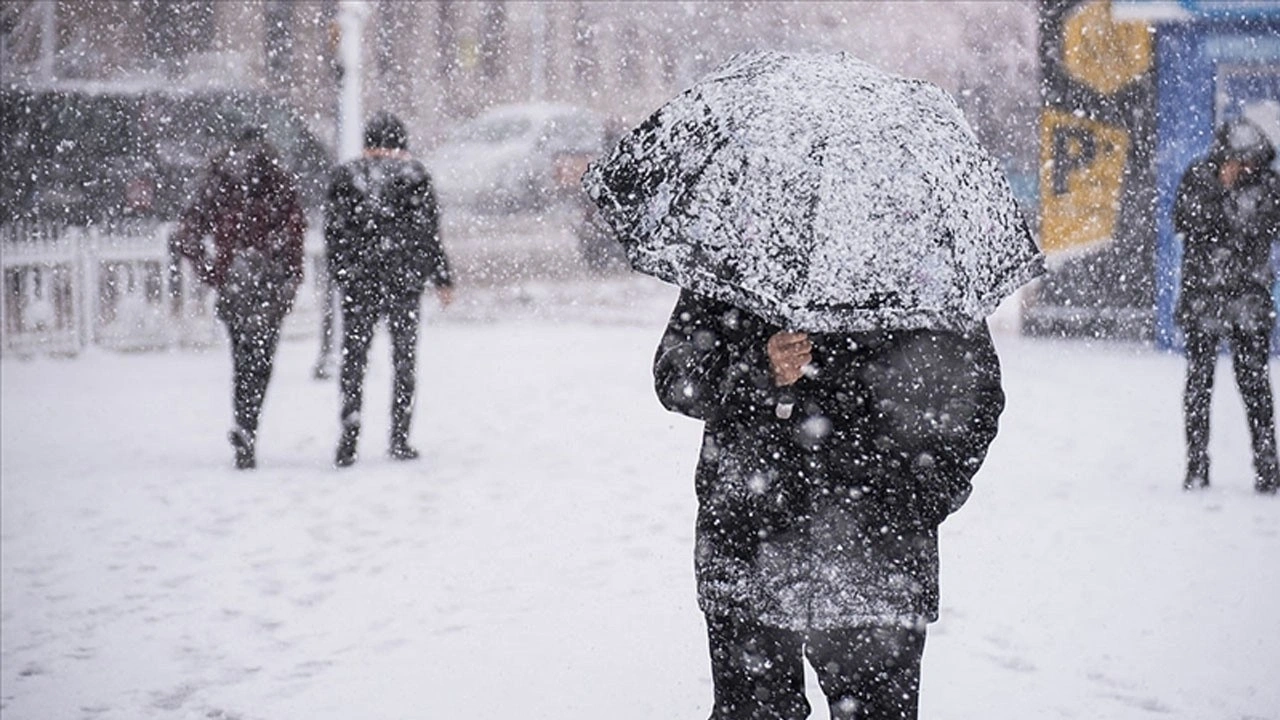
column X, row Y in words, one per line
column 1206, row 69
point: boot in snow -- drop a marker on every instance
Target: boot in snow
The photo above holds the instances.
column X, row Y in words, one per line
column 402, row 450
column 346, row 455
column 400, row 447
column 1267, row 480
column 1197, row 476
column 323, row 369
column 242, row 442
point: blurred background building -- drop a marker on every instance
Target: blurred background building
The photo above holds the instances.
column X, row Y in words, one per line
column 1094, row 107
column 437, row 63
column 109, row 110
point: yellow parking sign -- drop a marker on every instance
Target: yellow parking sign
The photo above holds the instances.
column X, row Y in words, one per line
column 1082, row 170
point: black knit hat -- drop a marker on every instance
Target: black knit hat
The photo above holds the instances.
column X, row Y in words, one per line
column 384, row 130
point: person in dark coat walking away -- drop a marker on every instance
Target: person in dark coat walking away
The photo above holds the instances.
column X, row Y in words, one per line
column 382, row 235
column 1227, row 211
column 249, row 204
column 828, row 462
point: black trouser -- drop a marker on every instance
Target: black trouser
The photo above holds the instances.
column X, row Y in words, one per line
column 867, row 673
column 253, row 350
column 360, row 316
column 1249, row 351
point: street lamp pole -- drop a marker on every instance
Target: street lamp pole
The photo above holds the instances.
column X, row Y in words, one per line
column 538, row 54
column 48, row 40
column 349, row 26
column 352, row 15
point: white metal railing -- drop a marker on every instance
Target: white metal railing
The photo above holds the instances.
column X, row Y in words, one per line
column 63, row 288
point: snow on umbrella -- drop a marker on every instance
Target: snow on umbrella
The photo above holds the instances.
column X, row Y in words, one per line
column 820, row 193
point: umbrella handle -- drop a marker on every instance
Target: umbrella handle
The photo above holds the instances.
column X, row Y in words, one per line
column 786, row 404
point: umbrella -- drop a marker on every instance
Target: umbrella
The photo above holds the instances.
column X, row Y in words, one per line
column 820, row 193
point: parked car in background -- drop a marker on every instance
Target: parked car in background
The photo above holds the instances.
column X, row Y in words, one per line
column 517, row 157
column 83, row 155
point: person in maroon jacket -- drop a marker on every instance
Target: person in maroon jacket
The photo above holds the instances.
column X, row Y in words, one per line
column 248, row 203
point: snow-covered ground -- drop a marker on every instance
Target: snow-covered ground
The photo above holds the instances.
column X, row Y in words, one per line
column 537, row 562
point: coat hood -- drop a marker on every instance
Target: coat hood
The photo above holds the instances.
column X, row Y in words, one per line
column 251, row 162
column 1244, row 141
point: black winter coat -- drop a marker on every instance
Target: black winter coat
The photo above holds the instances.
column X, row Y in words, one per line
column 1226, row 251
column 382, row 228
column 828, row 518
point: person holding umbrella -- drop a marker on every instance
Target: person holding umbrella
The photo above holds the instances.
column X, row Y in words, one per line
column 838, row 236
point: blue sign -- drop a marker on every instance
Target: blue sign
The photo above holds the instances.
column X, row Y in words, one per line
column 1179, row 11
column 1232, row 8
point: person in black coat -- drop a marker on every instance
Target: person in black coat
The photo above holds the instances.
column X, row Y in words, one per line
column 382, row 236
column 827, row 464
column 1227, row 210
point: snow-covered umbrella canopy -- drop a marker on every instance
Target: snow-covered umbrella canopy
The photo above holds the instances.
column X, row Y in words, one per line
column 820, row 193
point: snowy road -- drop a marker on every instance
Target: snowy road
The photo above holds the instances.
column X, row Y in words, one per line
column 537, row 562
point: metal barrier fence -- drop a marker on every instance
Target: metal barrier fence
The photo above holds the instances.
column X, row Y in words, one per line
column 68, row 287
